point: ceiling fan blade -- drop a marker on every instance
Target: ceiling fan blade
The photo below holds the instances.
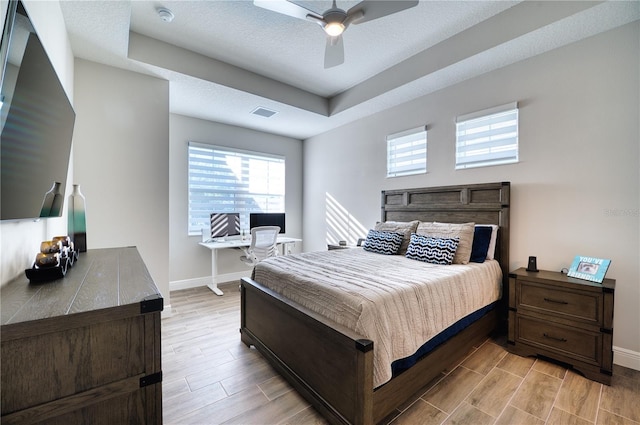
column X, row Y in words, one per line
column 374, row 9
column 334, row 52
column 287, row 8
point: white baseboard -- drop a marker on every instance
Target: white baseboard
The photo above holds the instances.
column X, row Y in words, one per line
column 166, row 312
column 189, row 283
column 626, row 358
column 204, row 281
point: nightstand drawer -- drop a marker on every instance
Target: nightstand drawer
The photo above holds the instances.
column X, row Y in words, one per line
column 584, row 306
column 575, row 343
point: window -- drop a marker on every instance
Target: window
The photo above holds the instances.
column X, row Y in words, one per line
column 488, row 137
column 225, row 180
column 407, row 152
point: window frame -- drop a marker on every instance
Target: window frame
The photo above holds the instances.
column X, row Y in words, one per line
column 394, row 142
column 496, row 137
column 194, row 227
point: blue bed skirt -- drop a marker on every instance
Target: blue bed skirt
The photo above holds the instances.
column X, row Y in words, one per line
column 401, row 365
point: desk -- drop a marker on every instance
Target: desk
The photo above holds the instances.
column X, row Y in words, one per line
column 233, row 244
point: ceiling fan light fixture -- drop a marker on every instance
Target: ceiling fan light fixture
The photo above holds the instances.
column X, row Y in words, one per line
column 334, row 29
column 335, row 21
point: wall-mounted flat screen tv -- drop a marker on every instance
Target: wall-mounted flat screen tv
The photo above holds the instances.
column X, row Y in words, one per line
column 36, row 121
column 267, row 219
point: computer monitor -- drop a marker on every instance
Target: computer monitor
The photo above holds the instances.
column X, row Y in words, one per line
column 225, row 224
column 267, row 219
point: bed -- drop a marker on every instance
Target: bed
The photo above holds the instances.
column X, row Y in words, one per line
column 330, row 362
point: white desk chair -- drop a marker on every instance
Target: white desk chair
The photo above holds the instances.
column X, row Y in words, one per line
column 263, row 245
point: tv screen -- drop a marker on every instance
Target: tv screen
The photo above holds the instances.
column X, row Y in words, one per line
column 225, row 224
column 37, row 122
column 267, row 219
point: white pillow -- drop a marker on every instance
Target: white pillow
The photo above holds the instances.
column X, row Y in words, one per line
column 492, row 243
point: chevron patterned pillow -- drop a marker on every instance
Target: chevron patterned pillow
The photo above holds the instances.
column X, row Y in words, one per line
column 462, row 231
column 404, row 227
column 432, row 250
column 386, row 243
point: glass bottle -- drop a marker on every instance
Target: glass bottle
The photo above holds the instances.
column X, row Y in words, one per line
column 77, row 222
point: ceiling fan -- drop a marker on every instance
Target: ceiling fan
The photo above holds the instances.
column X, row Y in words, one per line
column 335, row 21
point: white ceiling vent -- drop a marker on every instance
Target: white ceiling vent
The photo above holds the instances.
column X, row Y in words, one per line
column 263, row 112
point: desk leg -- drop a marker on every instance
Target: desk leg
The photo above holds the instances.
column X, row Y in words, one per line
column 285, row 247
column 214, row 273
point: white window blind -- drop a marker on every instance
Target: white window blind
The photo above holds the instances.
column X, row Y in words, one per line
column 407, row 152
column 225, row 180
column 488, row 137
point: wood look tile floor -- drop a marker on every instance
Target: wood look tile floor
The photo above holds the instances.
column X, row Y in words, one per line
column 210, row 377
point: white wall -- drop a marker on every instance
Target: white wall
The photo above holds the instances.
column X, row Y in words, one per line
column 20, row 240
column 190, row 262
column 575, row 189
column 121, row 161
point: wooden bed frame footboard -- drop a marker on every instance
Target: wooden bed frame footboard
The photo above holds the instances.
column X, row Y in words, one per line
column 332, row 366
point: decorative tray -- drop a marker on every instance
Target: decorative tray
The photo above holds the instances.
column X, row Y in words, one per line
column 46, row 274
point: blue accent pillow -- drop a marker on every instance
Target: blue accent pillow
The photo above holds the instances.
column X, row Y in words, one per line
column 481, row 240
column 432, row 250
column 380, row 242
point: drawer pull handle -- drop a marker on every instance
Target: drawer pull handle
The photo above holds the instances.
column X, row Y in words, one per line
column 554, row 338
column 551, row 300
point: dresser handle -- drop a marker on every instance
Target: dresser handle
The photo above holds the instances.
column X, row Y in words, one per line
column 549, row 300
column 554, row 338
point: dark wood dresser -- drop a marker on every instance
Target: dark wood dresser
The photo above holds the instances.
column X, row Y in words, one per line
column 566, row 319
column 84, row 349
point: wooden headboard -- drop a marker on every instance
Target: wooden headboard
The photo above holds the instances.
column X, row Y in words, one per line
column 485, row 203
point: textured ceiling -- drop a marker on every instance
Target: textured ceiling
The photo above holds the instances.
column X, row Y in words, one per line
column 225, row 58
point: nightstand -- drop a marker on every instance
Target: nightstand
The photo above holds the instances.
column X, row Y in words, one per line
column 566, row 319
column 334, row 246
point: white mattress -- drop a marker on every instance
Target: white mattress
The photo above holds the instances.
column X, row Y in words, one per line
column 396, row 302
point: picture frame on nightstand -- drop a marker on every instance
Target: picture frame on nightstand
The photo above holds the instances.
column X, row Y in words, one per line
column 589, row 268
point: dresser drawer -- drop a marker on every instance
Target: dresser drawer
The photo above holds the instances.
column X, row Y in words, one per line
column 584, row 306
column 575, row 343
